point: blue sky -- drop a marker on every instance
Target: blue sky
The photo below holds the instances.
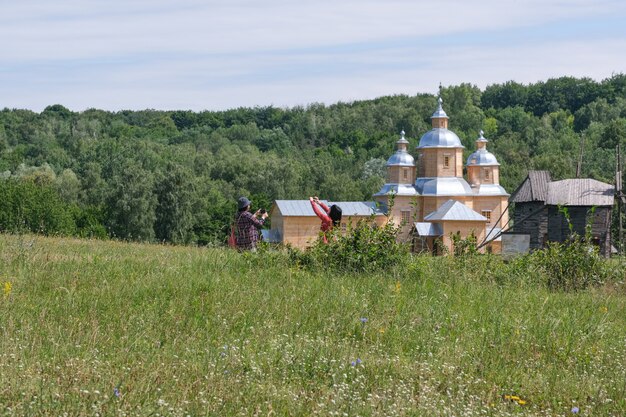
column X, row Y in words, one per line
column 213, row 55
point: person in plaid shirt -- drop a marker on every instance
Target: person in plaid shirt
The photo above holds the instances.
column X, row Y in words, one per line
column 247, row 225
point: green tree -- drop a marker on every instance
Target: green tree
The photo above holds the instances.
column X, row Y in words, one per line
column 132, row 203
column 174, row 211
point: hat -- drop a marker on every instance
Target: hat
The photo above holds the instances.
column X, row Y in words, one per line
column 243, row 202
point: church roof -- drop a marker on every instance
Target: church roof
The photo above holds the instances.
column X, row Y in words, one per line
column 443, row 186
column 401, row 158
column 348, row 208
column 397, row 189
column 454, row 210
column 440, row 138
column 490, row 189
column 439, row 113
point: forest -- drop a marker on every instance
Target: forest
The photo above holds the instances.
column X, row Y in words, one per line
column 174, row 176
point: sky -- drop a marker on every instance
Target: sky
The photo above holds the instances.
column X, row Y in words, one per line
column 216, row 55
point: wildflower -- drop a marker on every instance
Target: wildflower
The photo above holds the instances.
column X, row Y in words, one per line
column 514, row 398
column 363, row 320
column 382, row 330
column 353, row 363
column 398, row 287
column 116, row 392
column 575, row 410
column 604, row 309
column 7, row 288
column 358, row 361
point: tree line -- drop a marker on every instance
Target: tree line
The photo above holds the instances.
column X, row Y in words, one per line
column 174, row 176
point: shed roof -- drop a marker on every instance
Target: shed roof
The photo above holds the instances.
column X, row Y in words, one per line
column 533, row 188
column 580, row 192
column 348, row 208
column 454, row 210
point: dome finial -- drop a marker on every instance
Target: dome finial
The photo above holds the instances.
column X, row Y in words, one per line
column 482, row 133
column 402, row 139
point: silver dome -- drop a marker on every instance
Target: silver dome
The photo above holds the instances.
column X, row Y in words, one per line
column 443, row 186
column 482, row 157
column 401, row 158
column 440, row 138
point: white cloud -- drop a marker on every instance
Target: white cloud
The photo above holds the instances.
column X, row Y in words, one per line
column 216, row 54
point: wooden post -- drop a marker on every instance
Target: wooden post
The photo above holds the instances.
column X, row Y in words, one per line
column 620, row 197
column 580, row 156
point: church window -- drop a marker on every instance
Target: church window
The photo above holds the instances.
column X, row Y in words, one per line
column 406, row 216
column 446, row 161
column 487, row 214
column 343, row 227
column 486, row 174
column 405, row 173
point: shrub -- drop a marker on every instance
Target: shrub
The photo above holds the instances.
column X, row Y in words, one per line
column 570, row 266
column 364, row 247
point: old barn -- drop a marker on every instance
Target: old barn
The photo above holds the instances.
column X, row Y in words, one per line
column 541, row 206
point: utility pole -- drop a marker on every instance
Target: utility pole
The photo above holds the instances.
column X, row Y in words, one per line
column 621, row 198
column 580, row 156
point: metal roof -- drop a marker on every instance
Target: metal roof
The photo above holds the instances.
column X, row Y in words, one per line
column 439, row 113
column 348, row 208
column 402, row 139
column 580, row 192
column 482, row 157
column 401, row 158
column 440, row 138
column 490, row 189
column 443, row 186
column 428, row 229
column 397, row 189
column 454, row 210
column 533, row 188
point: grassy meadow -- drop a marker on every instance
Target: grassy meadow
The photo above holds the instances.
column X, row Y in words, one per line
column 110, row 328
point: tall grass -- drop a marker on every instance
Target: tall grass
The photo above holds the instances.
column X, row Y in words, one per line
column 108, row 328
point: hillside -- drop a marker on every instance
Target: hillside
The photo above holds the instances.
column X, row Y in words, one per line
column 107, row 328
column 174, row 176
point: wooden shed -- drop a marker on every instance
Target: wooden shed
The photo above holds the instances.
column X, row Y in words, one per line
column 295, row 223
column 538, row 202
column 586, row 201
column 531, row 213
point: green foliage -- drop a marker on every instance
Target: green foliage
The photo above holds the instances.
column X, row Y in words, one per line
column 570, row 266
column 337, row 150
column 365, row 247
column 463, row 247
column 113, row 328
column 573, row 265
column 28, row 206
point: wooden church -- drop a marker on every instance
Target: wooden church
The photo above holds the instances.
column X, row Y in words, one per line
column 429, row 200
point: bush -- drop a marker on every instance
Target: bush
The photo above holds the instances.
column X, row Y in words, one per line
column 569, row 266
column 364, row 247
